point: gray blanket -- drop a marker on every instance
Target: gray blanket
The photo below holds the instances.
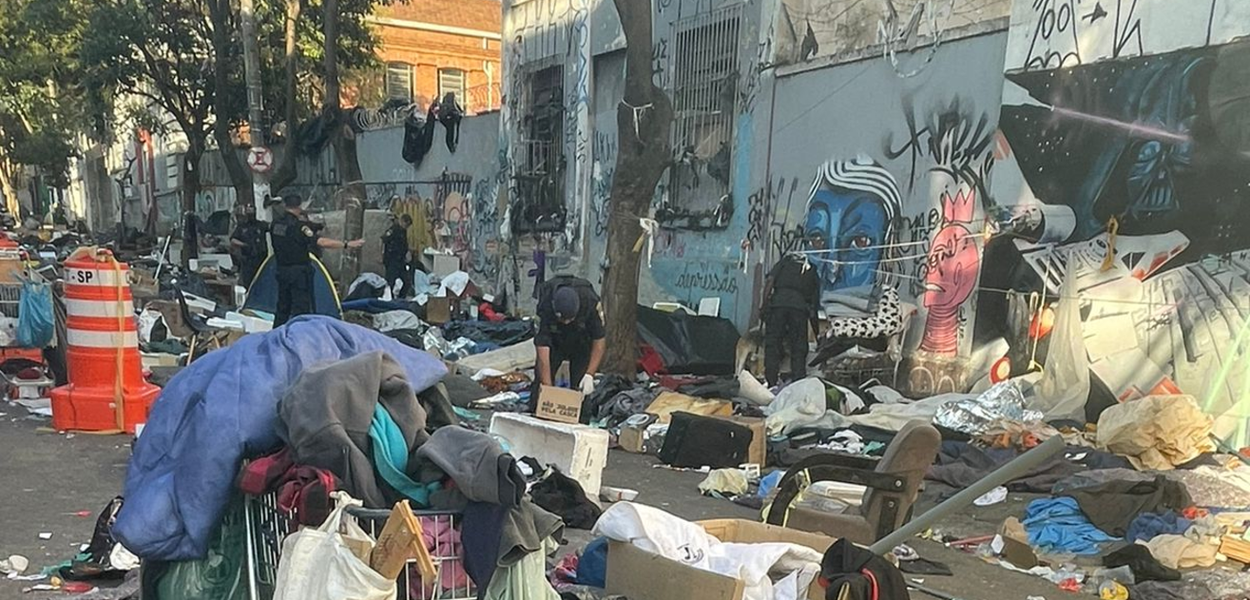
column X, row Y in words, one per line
column 325, row 418
column 475, row 461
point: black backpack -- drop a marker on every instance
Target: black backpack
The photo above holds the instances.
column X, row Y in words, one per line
column 585, row 291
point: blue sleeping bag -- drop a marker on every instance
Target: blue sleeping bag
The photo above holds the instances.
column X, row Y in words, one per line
column 220, row 410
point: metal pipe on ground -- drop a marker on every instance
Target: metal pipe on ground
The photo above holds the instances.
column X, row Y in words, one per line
column 1008, row 472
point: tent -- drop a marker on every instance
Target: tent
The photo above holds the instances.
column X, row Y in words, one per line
column 263, row 295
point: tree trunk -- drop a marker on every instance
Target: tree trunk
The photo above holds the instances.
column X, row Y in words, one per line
column 190, row 188
column 8, row 193
column 240, row 178
column 641, row 161
column 288, row 169
column 352, row 193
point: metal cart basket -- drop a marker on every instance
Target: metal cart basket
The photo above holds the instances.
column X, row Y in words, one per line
column 268, row 525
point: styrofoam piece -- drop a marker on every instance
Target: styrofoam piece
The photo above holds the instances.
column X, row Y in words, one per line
column 579, row 451
column 517, row 357
column 250, row 324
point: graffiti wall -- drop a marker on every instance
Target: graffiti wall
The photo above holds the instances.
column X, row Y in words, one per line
column 883, row 180
column 453, row 196
column 1126, row 143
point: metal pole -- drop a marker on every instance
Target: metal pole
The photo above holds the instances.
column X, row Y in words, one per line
column 1022, row 464
column 255, row 98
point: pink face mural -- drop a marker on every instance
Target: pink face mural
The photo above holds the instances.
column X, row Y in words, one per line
column 953, row 265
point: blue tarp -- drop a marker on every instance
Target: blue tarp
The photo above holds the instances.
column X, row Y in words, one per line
column 220, row 410
column 1057, row 525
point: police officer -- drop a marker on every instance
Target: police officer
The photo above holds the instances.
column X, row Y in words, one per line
column 791, row 301
column 570, row 329
column 248, row 240
column 293, row 239
column 395, row 253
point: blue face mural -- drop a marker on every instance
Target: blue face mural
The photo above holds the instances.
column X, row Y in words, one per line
column 850, row 212
column 853, row 225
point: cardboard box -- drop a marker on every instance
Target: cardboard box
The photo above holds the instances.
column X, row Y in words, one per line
column 758, row 452
column 559, row 404
column 438, row 310
column 636, row 573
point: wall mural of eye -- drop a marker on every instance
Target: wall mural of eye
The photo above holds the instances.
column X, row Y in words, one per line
column 861, row 242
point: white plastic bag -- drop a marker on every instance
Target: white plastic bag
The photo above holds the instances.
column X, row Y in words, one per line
column 317, row 564
column 1064, row 388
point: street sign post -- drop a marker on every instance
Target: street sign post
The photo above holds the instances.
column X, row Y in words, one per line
column 260, row 159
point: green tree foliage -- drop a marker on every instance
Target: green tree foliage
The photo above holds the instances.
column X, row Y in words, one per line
column 42, row 94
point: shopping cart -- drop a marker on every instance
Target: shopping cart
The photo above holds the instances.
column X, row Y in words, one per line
column 10, row 298
column 268, row 525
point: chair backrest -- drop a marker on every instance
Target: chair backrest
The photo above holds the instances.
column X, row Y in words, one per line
column 183, row 309
column 909, row 456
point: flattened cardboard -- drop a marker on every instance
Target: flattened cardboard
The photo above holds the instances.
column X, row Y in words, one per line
column 559, row 405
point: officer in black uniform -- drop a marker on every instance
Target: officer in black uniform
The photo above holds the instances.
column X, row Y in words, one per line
column 294, row 238
column 248, row 240
column 395, row 253
column 791, row 302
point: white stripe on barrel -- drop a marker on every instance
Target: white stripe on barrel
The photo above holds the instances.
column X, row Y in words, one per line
column 99, row 308
column 102, row 339
column 96, row 277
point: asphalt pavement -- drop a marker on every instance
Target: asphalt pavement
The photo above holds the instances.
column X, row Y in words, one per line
column 54, row 485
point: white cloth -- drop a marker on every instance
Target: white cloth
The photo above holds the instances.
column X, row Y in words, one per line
column 397, row 319
column 800, row 404
column 892, row 417
column 658, row 532
column 751, row 390
column 372, row 279
column 456, row 283
column 655, row 531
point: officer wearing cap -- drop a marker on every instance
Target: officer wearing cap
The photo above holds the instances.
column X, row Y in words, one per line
column 294, row 238
column 248, row 240
column 570, row 329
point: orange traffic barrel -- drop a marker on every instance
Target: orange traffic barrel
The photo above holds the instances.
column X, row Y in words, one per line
column 106, row 390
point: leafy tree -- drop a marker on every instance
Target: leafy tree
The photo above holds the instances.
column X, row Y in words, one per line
column 160, row 51
column 41, row 93
column 185, row 58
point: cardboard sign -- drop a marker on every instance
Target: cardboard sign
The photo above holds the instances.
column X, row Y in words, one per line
column 559, row 404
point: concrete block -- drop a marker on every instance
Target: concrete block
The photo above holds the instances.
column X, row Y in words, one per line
column 579, row 451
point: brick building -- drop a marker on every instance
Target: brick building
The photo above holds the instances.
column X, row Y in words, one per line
column 431, row 47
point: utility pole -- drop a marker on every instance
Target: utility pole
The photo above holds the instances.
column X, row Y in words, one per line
column 255, row 102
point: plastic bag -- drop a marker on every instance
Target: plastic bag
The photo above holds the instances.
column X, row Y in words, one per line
column 318, row 564
column 1064, row 387
column 220, row 575
column 34, row 317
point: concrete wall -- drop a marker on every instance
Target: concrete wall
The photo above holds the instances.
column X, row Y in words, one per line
column 807, row 29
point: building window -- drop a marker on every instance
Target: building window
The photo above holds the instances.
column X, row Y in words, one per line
column 173, row 169
column 399, row 81
column 705, row 76
column 451, row 81
column 538, row 179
